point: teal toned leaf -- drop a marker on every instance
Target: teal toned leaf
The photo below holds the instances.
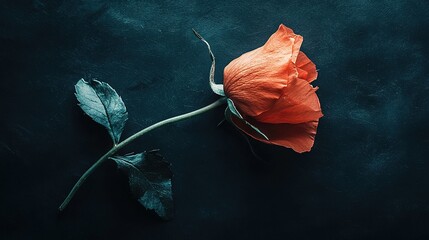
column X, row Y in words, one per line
column 101, row 102
column 150, row 180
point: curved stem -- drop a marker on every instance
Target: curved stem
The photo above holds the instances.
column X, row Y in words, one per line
column 122, row 144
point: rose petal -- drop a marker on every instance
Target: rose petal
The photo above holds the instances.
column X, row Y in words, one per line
column 284, row 39
column 299, row 137
column 299, row 103
column 254, row 81
column 258, row 91
column 306, row 68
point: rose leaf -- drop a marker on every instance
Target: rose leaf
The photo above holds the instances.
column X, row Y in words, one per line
column 149, row 177
column 101, row 102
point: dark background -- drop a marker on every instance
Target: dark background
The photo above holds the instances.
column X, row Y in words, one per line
column 366, row 177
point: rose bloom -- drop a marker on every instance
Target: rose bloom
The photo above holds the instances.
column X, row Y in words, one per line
column 270, row 90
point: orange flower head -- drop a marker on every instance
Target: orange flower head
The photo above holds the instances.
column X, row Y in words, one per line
column 270, row 93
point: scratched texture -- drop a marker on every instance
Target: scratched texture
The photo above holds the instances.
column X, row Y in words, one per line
column 366, row 178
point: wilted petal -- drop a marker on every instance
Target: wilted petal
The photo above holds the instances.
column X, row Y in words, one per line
column 299, row 103
column 284, row 41
column 306, row 68
column 255, row 79
column 299, row 137
column 256, row 92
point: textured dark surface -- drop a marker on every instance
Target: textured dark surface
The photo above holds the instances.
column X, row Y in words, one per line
column 367, row 176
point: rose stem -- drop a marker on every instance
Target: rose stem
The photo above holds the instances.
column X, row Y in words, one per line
column 122, row 144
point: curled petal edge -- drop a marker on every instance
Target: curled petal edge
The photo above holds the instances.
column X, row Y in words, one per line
column 298, row 137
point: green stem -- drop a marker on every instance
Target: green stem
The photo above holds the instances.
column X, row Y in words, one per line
column 122, row 144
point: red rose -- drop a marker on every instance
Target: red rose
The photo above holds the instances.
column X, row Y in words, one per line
column 270, row 95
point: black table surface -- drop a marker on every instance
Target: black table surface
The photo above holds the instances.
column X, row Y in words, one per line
column 366, row 178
